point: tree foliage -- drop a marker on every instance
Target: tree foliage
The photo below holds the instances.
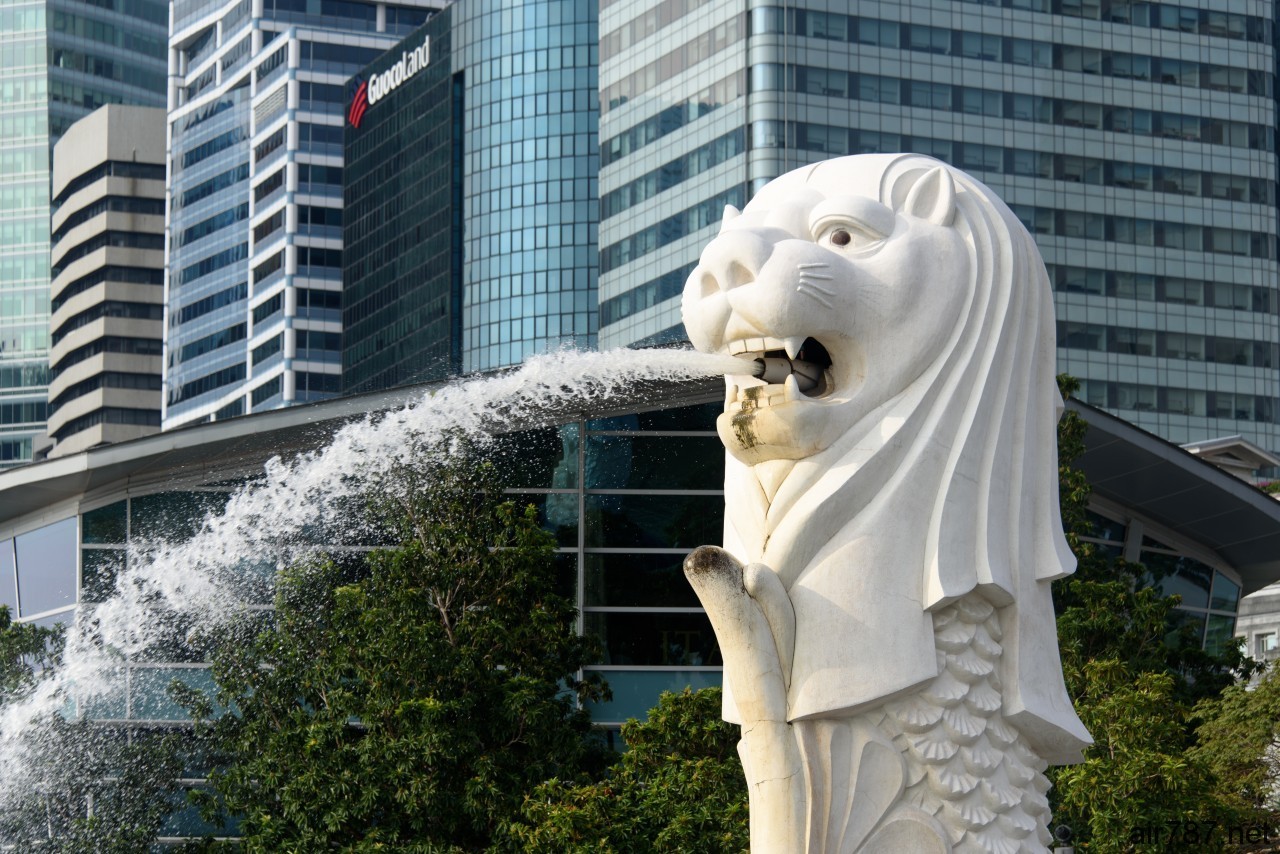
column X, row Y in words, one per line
column 679, row 787
column 91, row 787
column 410, row 700
column 1135, row 681
column 1239, row 740
column 25, row 651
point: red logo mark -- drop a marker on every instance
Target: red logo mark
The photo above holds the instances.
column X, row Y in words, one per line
column 359, row 104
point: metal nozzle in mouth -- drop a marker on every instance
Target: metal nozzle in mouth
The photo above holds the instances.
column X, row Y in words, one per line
column 775, row 370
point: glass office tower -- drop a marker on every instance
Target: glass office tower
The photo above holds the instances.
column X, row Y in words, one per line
column 256, row 107
column 530, row 211
column 402, row 227
column 1134, row 139
column 472, row 196
column 62, row 59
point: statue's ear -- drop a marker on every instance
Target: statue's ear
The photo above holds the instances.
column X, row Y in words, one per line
column 932, row 196
column 730, row 214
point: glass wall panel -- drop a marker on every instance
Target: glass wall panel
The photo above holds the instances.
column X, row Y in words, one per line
column 149, row 691
column 99, row 568
column 671, row 640
column 110, row 701
column 643, row 580
column 608, row 462
column 173, row 515
column 362, row 522
column 187, row 821
column 47, row 567
column 1220, row 633
column 1103, row 528
column 8, row 580
column 1226, row 593
column 657, row 462
column 1188, row 623
column 654, row 521
column 538, row 459
column 701, row 417
column 635, row 692
column 175, row 639
column 557, row 513
column 108, row 524
column 1172, row 574
column 61, row 618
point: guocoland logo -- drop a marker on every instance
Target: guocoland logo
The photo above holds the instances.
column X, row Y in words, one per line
column 378, row 86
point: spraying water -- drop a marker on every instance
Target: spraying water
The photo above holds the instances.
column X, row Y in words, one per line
column 202, row 578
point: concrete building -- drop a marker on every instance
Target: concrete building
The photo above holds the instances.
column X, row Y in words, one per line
column 1258, row 626
column 62, row 59
column 1135, row 140
column 257, row 94
column 471, row 195
column 107, row 260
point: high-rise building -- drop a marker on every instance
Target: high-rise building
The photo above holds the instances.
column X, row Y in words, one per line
column 61, row 60
column 108, row 276
column 257, row 97
column 1135, row 140
column 471, row 196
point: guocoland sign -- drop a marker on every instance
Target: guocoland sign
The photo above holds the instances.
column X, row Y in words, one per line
column 378, row 86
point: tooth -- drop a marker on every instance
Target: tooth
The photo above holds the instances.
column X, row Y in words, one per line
column 793, row 345
column 757, row 345
column 736, row 347
column 791, row 388
column 731, row 394
column 809, row 374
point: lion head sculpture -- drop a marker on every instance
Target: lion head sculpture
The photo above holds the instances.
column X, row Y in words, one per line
column 899, row 452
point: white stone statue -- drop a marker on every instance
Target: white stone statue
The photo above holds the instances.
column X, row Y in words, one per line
column 882, row 598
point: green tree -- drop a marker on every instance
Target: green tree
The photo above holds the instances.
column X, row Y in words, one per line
column 1134, row 681
column 91, row 787
column 26, row 650
column 679, row 787
column 1239, row 739
column 409, row 701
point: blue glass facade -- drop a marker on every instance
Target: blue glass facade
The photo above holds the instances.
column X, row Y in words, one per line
column 253, row 287
column 61, row 60
column 1135, row 140
column 530, row 192
column 478, row 246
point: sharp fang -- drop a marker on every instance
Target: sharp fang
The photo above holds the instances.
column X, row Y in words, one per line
column 790, row 388
column 793, row 345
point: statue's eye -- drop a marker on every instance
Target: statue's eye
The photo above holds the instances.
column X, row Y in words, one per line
column 848, row 237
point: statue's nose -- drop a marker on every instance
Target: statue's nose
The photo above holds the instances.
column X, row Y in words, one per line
column 733, row 259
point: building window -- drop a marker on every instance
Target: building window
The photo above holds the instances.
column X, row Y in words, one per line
column 1264, row 644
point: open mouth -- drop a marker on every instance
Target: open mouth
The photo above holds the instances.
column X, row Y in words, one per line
column 783, row 370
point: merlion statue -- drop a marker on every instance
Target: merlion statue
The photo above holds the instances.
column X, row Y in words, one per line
column 892, row 526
